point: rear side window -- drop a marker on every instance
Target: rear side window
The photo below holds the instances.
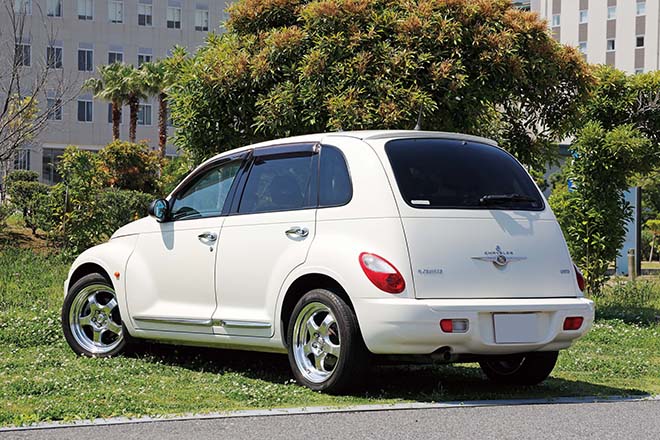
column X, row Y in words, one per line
column 334, row 181
column 279, row 183
column 446, row 173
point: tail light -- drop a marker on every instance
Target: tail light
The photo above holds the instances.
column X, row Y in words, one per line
column 573, row 322
column 454, row 325
column 382, row 273
column 580, row 278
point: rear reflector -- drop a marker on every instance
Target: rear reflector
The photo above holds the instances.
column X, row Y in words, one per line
column 454, row 325
column 382, row 273
column 573, row 322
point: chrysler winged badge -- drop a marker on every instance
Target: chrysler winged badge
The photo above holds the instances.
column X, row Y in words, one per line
column 499, row 257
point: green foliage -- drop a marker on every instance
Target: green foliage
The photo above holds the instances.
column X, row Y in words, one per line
column 593, row 216
column 647, row 238
column 82, row 210
column 287, row 67
column 5, row 211
column 21, row 176
column 174, row 171
column 25, row 191
column 130, row 166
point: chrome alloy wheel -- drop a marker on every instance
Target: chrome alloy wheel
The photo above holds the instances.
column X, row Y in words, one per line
column 316, row 342
column 94, row 319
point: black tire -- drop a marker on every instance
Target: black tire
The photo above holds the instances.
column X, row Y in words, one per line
column 82, row 322
column 343, row 337
column 522, row 369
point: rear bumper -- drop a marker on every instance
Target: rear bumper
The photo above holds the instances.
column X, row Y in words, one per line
column 411, row 326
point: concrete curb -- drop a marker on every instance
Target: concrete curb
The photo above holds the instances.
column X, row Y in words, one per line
column 325, row 410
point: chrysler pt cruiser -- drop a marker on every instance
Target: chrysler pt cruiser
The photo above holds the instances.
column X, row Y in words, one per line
column 337, row 247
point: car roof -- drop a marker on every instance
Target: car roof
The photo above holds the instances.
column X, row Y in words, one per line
column 365, row 135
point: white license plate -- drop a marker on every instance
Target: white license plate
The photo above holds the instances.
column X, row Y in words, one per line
column 516, row 328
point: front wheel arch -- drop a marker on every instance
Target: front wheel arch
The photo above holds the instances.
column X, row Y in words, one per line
column 87, row 269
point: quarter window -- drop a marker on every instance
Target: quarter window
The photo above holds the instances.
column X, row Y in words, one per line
column 279, row 184
column 206, row 194
column 335, row 183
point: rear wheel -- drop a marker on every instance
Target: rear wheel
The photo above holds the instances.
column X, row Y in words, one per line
column 326, row 352
column 90, row 318
column 520, row 369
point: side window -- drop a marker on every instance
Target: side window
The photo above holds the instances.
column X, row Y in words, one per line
column 279, row 184
column 335, row 187
column 205, row 196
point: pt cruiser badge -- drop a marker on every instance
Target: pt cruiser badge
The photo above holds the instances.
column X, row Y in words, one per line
column 499, row 258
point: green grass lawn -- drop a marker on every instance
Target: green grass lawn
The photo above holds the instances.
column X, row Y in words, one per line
column 41, row 379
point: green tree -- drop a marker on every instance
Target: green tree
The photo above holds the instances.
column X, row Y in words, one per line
column 654, row 228
column 288, row 67
column 157, row 78
column 593, row 215
column 111, row 86
column 136, row 91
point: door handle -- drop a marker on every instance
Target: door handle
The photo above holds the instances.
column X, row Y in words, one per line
column 298, row 231
column 207, row 236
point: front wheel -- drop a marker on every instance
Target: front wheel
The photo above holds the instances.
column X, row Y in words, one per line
column 90, row 318
column 520, row 369
column 326, row 351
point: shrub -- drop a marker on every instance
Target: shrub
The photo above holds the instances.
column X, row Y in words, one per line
column 130, row 166
column 5, row 211
column 24, row 190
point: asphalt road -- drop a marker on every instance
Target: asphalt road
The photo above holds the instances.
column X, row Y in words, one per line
column 621, row 420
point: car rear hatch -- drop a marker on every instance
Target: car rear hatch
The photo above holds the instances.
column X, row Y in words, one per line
column 476, row 225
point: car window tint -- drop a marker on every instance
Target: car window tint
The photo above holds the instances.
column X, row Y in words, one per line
column 206, row 194
column 335, row 183
column 278, row 184
column 447, row 173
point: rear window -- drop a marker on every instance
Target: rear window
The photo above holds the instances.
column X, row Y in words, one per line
column 447, row 173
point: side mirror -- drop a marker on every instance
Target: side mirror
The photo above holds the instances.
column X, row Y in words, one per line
column 159, row 209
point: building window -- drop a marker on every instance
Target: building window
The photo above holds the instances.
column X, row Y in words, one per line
column 22, row 159
column 116, row 11
column 583, row 47
column 639, row 42
column 115, row 57
column 121, row 114
column 23, row 7
column 611, row 12
column 584, row 16
column 54, row 8
column 611, row 44
column 23, row 55
column 641, row 8
column 85, row 110
column 85, row 10
column 145, row 15
column 556, row 20
column 639, row 70
column 49, row 160
column 173, row 17
column 54, row 109
column 144, row 114
column 85, row 60
column 144, row 58
column 54, row 57
column 201, row 20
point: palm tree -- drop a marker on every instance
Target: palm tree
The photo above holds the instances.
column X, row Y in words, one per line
column 110, row 86
column 134, row 84
column 156, row 79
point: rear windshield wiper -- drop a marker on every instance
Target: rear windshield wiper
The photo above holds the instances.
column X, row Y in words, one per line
column 494, row 199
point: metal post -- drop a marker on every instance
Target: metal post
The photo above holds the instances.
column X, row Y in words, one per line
column 632, row 266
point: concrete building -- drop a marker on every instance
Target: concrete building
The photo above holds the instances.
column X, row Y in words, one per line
column 621, row 33
column 89, row 33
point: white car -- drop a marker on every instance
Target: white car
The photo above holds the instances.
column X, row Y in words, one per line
column 336, row 247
